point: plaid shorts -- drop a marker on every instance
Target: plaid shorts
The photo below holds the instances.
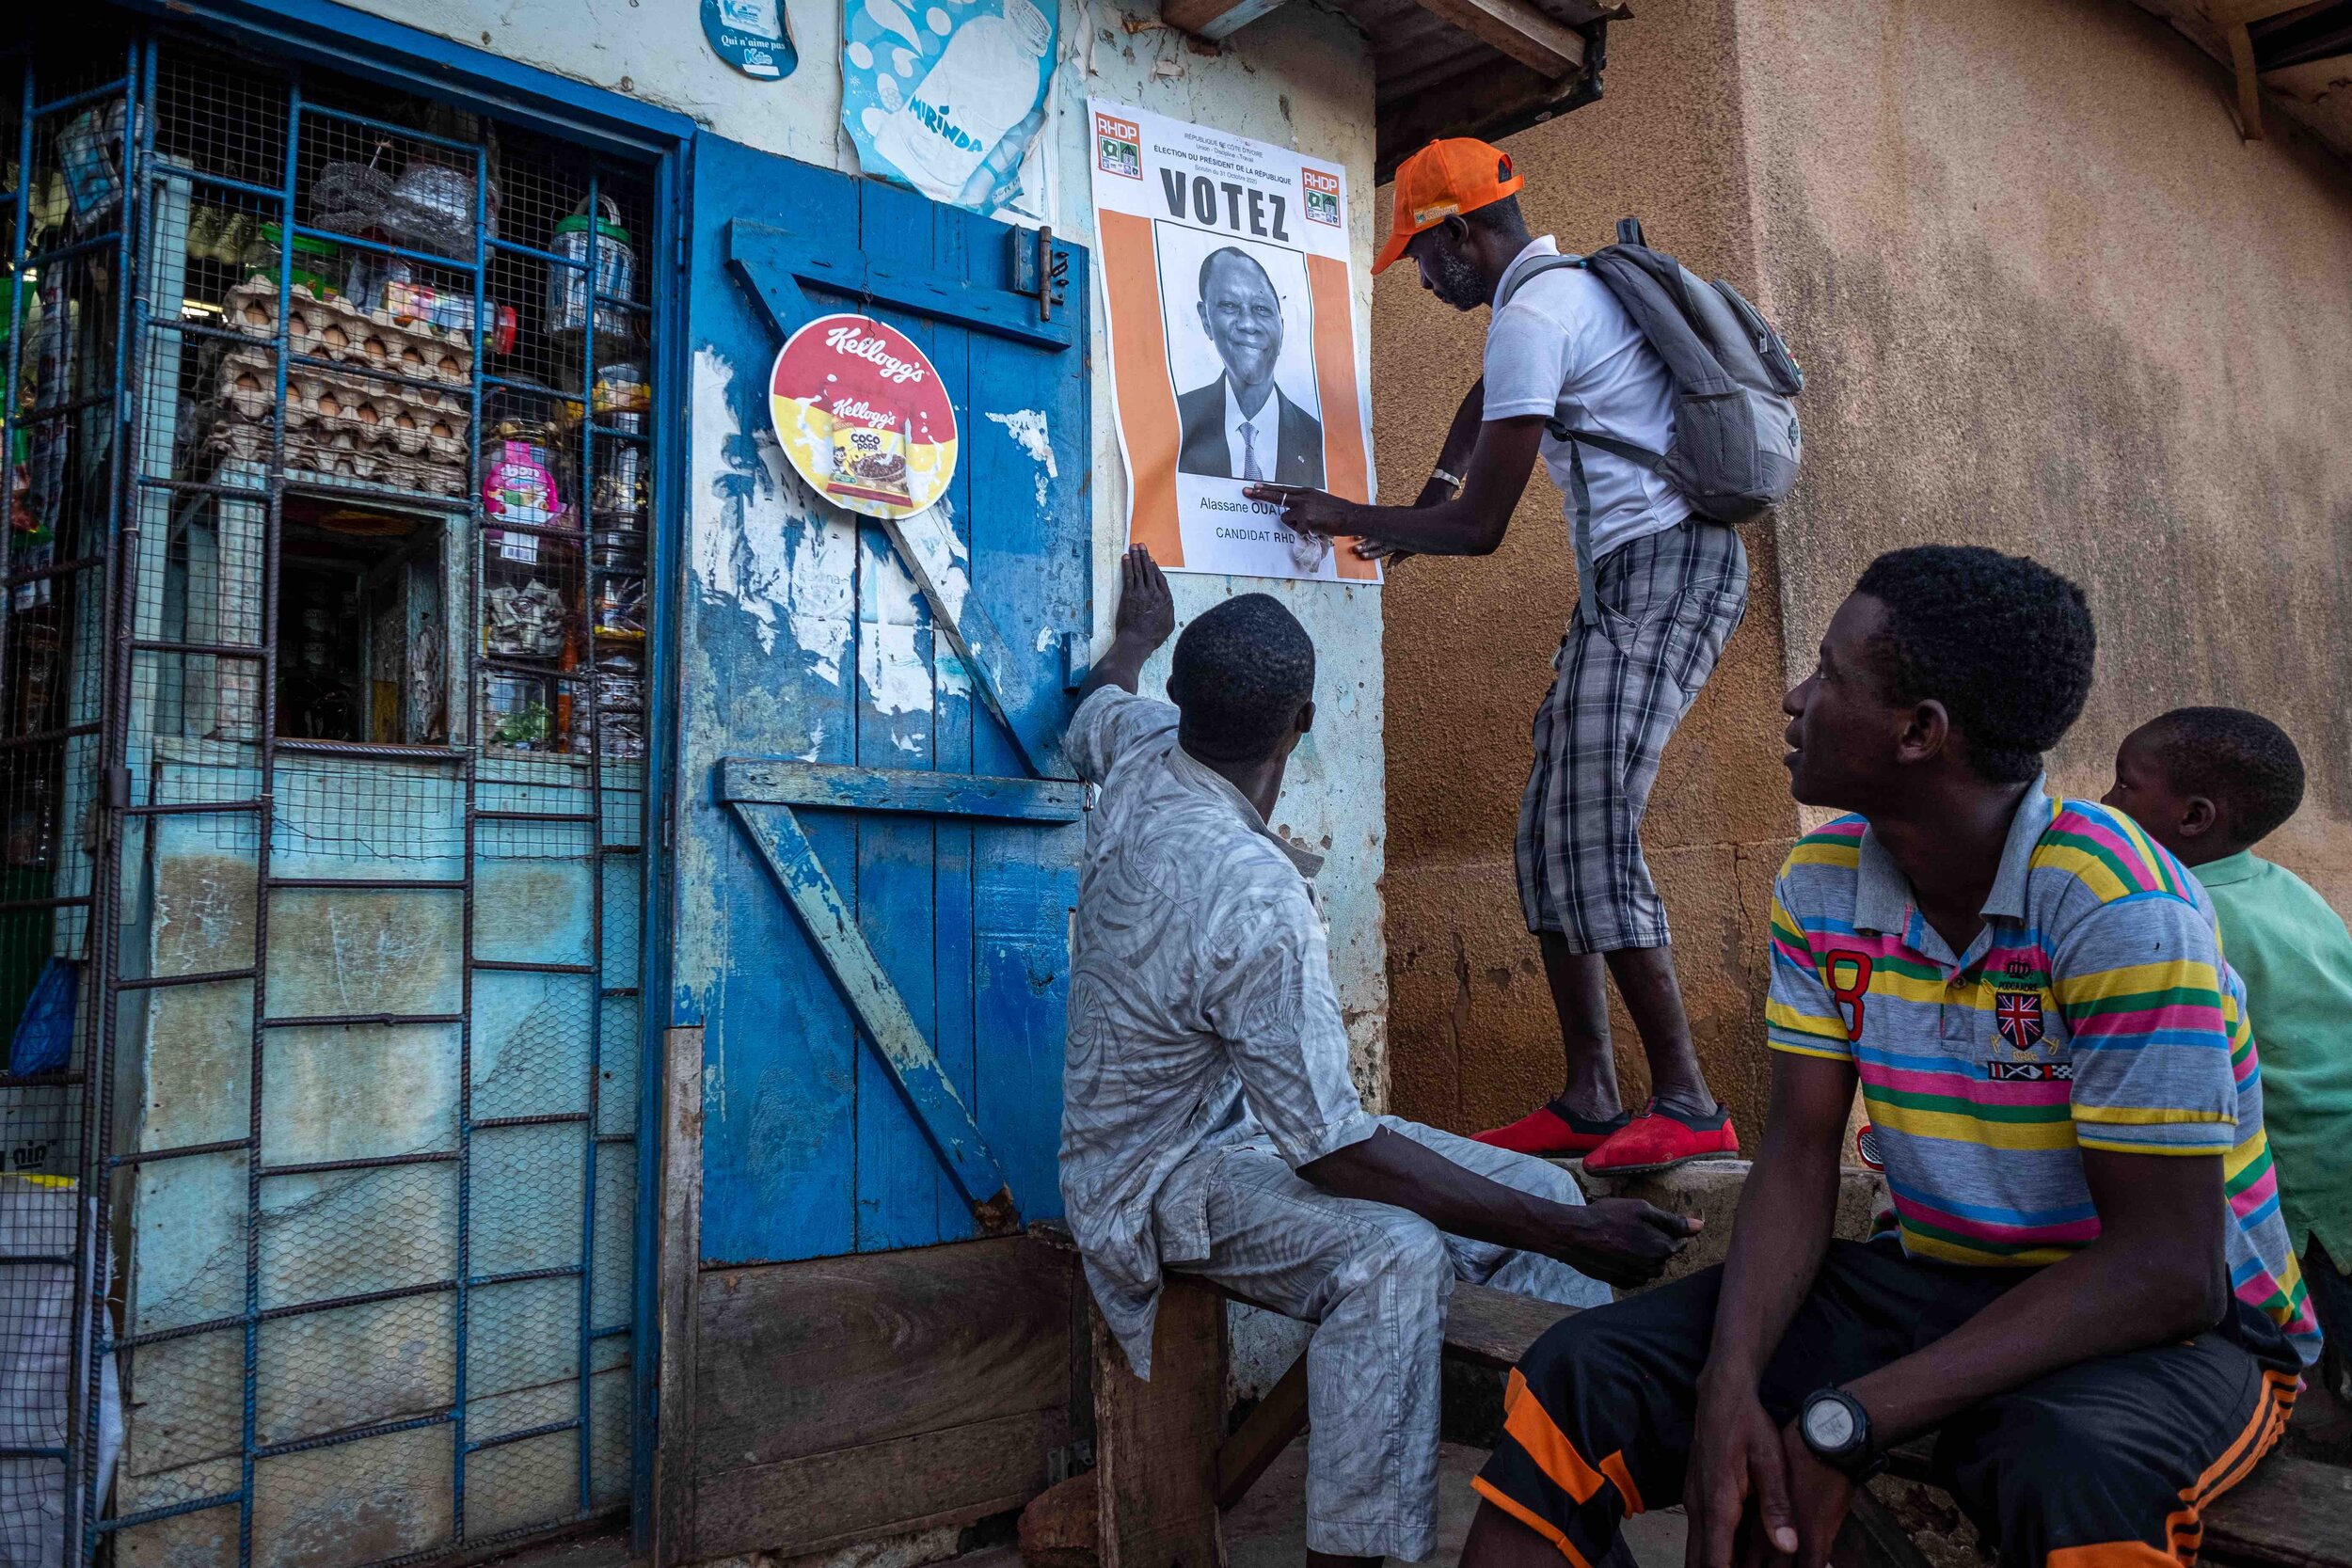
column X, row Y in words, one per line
column 1668, row 602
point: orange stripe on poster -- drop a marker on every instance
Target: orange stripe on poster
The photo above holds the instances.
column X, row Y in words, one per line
column 1148, row 422
column 1346, row 468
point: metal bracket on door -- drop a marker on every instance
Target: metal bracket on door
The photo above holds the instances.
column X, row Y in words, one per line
column 1039, row 268
column 746, row 784
column 776, row 261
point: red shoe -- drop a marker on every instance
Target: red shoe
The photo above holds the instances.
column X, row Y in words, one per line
column 1555, row 1132
column 1658, row 1139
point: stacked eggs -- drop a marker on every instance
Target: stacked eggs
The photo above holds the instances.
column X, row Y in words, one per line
column 406, row 434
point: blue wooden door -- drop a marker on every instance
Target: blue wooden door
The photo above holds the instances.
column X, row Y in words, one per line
column 877, row 846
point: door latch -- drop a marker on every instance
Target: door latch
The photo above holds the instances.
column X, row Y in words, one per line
column 1039, row 268
column 1074, row 1459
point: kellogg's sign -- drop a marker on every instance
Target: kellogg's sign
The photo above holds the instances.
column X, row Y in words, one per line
column 860, row 411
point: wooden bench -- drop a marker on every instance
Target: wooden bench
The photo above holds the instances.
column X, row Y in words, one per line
column 1165, row 1467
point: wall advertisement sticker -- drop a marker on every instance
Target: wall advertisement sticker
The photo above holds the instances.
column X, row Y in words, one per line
column 1226, row 281
column 947, row 96
column 860, row 411
column 750, row 36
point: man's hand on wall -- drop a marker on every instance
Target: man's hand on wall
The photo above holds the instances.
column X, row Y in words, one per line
column 1144, row 619
column 1147, row 612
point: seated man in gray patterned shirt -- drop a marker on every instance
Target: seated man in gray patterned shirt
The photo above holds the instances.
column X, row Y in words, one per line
column 1209, row 1121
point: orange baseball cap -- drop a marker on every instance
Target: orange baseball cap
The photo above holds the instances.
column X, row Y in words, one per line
column 1459, row 174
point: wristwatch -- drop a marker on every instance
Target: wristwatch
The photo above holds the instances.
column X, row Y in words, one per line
column 1837, row 1430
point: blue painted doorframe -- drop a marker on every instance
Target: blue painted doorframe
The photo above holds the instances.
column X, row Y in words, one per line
column 877, row 852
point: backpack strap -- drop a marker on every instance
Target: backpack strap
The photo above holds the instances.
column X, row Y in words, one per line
column 1557, row 426
column 1550, row 263
column 1642, row 457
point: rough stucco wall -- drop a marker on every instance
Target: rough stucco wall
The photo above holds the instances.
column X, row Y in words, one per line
column 2049, row 302
column 1470, row 642
column 1300, row 77
column 2046, row 299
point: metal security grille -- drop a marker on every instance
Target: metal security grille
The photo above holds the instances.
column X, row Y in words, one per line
column 328, row 450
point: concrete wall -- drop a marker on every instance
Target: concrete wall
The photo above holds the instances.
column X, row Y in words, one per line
column 2049, row 302
column 2046, row 299
column 1302, row 78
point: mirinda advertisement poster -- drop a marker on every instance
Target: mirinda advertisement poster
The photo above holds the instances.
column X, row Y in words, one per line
column 1224, row 272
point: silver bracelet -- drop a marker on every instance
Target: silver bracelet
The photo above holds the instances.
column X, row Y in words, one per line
column 1452, row 481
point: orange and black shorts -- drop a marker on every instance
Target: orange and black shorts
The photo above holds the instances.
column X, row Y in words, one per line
column 2106, row 1464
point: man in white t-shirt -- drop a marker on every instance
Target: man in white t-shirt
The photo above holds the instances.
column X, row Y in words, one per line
column 1660, row 591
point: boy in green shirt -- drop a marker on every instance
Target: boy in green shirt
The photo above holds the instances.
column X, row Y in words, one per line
column 2208, row 784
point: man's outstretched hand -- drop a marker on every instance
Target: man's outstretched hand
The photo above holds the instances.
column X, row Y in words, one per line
column 1145, row 618
column 1618, row 1241
column 1306, row 510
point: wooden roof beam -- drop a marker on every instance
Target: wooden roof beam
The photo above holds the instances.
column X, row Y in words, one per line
column 1489, row 99
column 2235, row 18
column 1213, row 19
column 1519, row 30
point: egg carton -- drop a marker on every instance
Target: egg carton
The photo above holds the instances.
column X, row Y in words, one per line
column 340, row 456
column 336, row 328
column 414, row 421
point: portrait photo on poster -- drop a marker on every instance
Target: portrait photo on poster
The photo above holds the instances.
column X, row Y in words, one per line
column 1240, row 358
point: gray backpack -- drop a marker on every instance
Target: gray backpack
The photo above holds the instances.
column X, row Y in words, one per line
column 1736, row 443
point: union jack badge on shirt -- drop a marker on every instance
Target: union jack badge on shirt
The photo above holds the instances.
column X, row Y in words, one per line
column 2017, row 1014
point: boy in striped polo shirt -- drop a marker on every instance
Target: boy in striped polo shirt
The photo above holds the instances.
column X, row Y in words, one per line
column 2091, row 1300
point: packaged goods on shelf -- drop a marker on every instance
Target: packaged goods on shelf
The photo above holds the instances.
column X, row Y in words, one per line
column 526, row 621
column 616, row 267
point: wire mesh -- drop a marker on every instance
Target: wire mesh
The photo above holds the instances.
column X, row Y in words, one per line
column 64, row 140
column 327, row 685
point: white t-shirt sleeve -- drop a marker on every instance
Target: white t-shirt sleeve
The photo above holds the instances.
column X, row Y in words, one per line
column 1528, row 357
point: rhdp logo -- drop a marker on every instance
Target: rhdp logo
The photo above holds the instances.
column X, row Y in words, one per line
column 1323, row 195
column 1119, row 146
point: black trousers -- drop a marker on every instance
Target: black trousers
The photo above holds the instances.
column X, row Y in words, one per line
column 2102, row 1464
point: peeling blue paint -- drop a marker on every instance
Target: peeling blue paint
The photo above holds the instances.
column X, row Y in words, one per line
column 815, row 636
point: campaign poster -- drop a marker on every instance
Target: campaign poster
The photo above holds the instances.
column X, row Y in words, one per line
column 949, row 96
column 1224, row 272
